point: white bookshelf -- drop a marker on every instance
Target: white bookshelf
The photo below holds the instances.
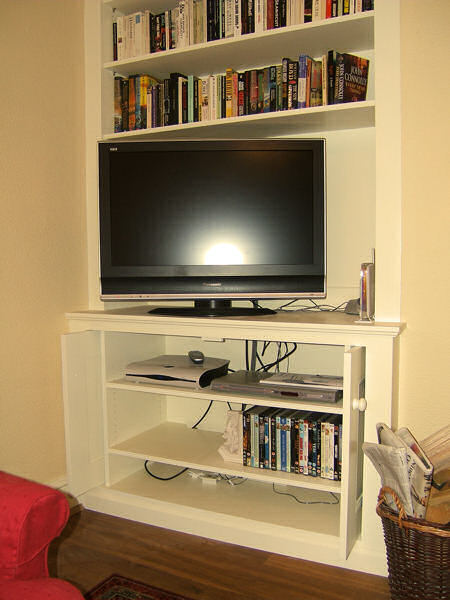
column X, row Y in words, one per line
column 256, row 50
column 112, row 426
column 363, row 139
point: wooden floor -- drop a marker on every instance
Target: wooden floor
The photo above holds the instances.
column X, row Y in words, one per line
column 94, row 546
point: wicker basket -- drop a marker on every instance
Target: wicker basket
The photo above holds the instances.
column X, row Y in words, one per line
column 418, row 553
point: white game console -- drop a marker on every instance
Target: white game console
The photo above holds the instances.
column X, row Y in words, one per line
column 180, row 370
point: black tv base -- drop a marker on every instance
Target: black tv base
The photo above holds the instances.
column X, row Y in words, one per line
column 211, row 308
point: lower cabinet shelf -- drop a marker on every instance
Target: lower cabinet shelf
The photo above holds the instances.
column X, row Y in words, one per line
column 177, row 444
column 263, row 505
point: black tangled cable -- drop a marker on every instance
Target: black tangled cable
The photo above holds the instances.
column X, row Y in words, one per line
column 146, row 463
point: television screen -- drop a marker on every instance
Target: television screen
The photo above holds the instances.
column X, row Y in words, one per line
column 209, row 220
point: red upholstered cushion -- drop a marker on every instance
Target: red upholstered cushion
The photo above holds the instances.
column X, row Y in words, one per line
column 31, row 516
column 38, row 589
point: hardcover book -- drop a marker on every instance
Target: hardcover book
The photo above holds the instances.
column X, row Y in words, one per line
column 331, row 67
column 132, row 103
column 272, row 89
column 308, row 11
column 191, row 83
column 254, row 93
column 315, row 94
column 118, row 95
column 204, row 99
column 270, row 17
column 241, row 94
column 303, row 60
column 230, row 96
column 351, row 76
column 125, row 85
column 285, row 82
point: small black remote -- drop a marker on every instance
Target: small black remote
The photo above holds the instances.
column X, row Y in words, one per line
column 196, row 356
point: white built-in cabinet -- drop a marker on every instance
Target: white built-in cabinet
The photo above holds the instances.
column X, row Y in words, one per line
column 113, row 426
column 362, row 138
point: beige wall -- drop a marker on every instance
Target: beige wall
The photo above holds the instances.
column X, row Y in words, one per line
column 42, row 221
column 42, row 224
column 424, row 397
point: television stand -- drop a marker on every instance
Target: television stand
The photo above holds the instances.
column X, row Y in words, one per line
column 211, row 308
column 114, row 425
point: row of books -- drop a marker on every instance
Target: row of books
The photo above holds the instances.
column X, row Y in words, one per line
column 294, row 441
column 142, row 101
column 198, row 21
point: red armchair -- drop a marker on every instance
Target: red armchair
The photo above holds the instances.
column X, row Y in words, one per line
column 31, row 516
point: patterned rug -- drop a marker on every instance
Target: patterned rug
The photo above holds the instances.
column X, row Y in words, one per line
column 117, row 587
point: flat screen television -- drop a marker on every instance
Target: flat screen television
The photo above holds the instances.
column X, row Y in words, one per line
column 213, row 222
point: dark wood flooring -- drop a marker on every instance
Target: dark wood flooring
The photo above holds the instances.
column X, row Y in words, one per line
column 94, row 546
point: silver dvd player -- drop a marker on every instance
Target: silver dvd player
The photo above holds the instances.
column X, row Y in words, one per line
column 252, row 383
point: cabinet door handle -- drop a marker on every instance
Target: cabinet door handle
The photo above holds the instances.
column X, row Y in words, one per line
column 359, row 404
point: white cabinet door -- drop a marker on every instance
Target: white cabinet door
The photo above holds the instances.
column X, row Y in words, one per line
column 351, row 451
column 83, row 414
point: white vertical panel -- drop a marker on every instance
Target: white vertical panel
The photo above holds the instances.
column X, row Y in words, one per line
column 381, row 359
column 95, row 108
column 83, row 417
column 350, row 503
column 351, row 211
column 388, row 160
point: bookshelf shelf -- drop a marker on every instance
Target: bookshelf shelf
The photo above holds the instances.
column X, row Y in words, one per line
column 207, row 395
column 255, row 50
column 176, row 444
column 128, row 6
column 354, row 115
column 229, row 503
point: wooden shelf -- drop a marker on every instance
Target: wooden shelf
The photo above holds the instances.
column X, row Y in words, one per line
column 177, row 444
